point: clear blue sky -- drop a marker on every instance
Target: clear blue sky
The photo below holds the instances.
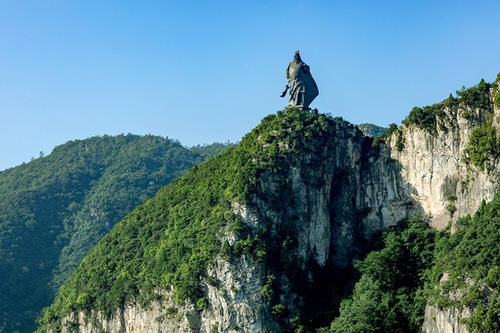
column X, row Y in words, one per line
column 205, row 71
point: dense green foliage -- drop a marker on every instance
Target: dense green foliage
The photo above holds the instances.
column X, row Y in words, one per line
column 424, row 117
column 483, row 146
column 496, row 85
column 139, row 255
column 170, row 239
column 401, row 278
column 388, row 297
column 477, row 96
column 471, row 258
column 55, row 208
column 474, row 97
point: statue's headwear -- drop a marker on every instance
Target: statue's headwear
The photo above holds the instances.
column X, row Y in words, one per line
column 296, row 56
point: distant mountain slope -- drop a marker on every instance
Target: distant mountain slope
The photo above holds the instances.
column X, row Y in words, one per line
column 208, row 150
column 372, row 130
column 55, row 208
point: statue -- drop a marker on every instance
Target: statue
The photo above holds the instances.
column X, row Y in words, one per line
column 302, row 87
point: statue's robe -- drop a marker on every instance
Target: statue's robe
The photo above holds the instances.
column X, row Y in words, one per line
column 303, row 88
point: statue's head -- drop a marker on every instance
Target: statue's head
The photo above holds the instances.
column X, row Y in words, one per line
column 297, row 57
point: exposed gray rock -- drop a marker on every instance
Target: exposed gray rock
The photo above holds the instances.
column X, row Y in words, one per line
column 235, row 304
column 444, row 321
column 434, row 166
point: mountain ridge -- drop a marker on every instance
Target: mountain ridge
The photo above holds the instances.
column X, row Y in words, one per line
column 253, row 245
column 56, row 207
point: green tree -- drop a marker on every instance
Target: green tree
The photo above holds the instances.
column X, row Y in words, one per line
column 388, row 297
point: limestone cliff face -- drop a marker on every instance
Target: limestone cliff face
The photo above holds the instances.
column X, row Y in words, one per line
column 446, row 185
column 320, row 209
column 234, row 305
column 443, row 321
column 332, row 204
column 433, row 164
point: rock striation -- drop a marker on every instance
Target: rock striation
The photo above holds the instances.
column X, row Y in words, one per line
column 433, row 164
column 438, row 320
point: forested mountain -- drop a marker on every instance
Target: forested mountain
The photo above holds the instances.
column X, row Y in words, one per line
column 372, row 130
column 310, row 226
column 55, row 208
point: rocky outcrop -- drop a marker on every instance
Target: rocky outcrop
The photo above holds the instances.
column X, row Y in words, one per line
column 234, row 304
column 335, row 197
column 156, row 317
column 448, row 187
column 318, row 211
column 438, row 320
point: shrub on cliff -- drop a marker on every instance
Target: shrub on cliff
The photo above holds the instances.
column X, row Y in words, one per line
column 426, row 117
column 483, row 146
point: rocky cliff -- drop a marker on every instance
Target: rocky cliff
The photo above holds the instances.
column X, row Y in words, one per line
column 315, row 203
column 438, row 320
column 444, row 183
column 308, row 192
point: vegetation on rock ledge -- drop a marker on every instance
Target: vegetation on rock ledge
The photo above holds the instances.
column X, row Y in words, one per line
column 471, row 259
column 483, row 146
column 476, row 97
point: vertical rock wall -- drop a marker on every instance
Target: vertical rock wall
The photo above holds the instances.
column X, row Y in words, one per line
column 443, row 321
column 443, row 183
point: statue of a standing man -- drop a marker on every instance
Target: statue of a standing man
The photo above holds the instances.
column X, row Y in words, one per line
column 302, row 87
